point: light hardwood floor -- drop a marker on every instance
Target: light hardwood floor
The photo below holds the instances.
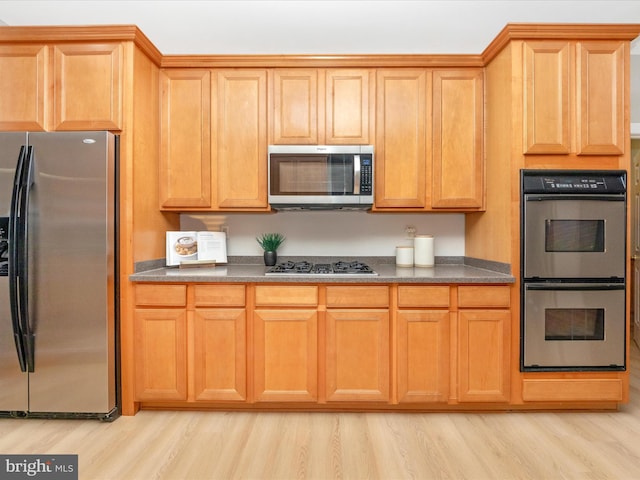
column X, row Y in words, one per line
column 206, row 445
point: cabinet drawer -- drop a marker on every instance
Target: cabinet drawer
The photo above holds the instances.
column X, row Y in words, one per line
column 358, row 296
column 219, row 295
column 303, row 295
column 161, row 295
column 471, row 296
column 567, row 390
column 423, row 296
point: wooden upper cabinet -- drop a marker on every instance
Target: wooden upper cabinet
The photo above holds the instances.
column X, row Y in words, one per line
column 546, row 97
column 87, row 86
column 600, row 104
column 295, row 106
column 458, row 173
column 402, row 135
column 574, row 97
column 74, row 86
column 185, row 140
column 348, row 106
column 323, row 106
column 23, row 87
column 239, row 138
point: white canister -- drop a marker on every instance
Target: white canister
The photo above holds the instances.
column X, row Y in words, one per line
column 404, row 256
column 423, row 251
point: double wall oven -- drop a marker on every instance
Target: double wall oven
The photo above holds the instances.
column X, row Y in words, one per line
column 573, row 314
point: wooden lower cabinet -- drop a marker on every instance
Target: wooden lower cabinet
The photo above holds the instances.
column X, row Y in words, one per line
column 357, row 343
column 423, row 356
column 357, row 355
column 220, row 353
column 190, row 343
column 285, row 339
column 285, row 355
column 160, row 338
column 341, row 346
column 484, row 328
column 423, row 322
column 161, row 354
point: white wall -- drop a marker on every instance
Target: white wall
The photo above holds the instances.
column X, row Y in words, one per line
column 334, row 233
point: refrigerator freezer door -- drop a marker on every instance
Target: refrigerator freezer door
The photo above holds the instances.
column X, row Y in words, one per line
column 14, row 388
column 71, row 260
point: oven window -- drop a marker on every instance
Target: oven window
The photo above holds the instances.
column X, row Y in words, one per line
column 574, row 235
column 574, row 324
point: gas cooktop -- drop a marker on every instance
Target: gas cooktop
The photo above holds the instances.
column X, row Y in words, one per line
column 308, row 268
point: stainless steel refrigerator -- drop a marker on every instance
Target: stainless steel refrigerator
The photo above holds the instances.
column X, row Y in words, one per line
column 58, row 278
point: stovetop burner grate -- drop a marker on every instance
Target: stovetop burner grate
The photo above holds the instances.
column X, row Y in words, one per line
column 307, row 268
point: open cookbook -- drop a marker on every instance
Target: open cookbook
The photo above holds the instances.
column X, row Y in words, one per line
column 195, row 247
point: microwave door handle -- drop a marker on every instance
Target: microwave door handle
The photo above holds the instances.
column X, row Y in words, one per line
column 356, row 174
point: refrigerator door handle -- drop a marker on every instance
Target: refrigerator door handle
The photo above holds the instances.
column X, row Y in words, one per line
column 23, row 284
column 14, row 263
column 19, row 260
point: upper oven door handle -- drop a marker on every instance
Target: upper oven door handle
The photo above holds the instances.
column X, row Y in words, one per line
column 574, row 286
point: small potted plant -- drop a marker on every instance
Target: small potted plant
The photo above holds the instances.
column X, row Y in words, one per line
column 270, row 243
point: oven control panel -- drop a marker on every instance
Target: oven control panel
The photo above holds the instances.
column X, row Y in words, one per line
column 573, row 182
column 552, row 183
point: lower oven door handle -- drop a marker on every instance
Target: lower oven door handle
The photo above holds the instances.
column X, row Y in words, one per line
column 574, row 286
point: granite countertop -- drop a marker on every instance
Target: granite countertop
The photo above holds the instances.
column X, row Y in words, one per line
column 252, row 270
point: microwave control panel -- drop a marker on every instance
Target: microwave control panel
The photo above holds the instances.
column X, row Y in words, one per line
column 366, row 180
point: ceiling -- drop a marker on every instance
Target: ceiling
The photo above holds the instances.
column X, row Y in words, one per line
column 318, row 27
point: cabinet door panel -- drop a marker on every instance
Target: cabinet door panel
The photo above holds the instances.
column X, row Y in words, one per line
column 286, row 355
column 220, row 354
column 161, row 354
column 23, row 87
column 401, row 138
column 483, row 370
column 600, row 104
column 295, row 96
column 87, row 86
column 423, row 356
column 458, row 171
column 546, row 98
column 348, row 97
column 357, row 355
column 239, row 135
column 185, row 140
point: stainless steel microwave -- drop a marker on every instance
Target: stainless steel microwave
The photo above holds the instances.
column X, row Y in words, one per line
column 322, row 177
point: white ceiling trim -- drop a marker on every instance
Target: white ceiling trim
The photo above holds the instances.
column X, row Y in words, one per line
column 316, row 26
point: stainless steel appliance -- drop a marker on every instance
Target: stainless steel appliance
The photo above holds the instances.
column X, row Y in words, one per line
column 339, row 268
column 321, row 177
column 58, row 275
column 573, row 270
